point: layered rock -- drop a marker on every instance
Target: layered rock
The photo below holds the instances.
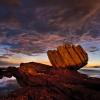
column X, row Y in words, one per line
column 25, row 78
column 68, row 56
column 44, row 82
column 57, row 84
column 34, row 68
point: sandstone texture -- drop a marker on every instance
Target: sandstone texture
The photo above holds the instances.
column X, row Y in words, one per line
column 61, row 81
column 67, row 56
column 57, row 84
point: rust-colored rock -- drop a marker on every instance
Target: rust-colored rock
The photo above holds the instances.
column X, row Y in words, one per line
column 57, row 84
column 43, row 82
column 68, row 56
column 34, row 68
column 55, row 58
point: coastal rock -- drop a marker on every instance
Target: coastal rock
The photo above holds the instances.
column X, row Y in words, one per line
column 43, row 82
column 34, row 68
column 67, row 56
column 58, row 84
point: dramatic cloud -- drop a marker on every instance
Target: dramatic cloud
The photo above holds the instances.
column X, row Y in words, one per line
column 45, row 15
column 31, row 27
column 29, row 43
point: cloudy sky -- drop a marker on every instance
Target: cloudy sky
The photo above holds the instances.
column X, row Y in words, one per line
column 28, row 28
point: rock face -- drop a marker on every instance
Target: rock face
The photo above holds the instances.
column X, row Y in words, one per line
column 68, row 56
column 44, row 82
column 57, row 84
column 34, row 68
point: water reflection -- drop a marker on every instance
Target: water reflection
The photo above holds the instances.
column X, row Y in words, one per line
column 8, row 85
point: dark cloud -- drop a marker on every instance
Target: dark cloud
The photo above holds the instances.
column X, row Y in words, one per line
column 94, row 49
column 48, row 16
column 6, row 64
column 32, row 43
column 10, row 2
column 45, row 15
column 35, row 42
column 34, row 26
column 3, row 57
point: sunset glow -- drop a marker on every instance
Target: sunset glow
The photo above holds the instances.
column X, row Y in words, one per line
column 29, row 28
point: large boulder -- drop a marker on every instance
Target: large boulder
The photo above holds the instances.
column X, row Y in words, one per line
column 68, row 56
column 34, row 68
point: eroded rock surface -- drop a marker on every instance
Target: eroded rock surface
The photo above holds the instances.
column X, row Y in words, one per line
column 68, row 56
column 57, row 84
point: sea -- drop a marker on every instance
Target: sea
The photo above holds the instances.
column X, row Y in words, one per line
column 10, row 84
column 91, row 72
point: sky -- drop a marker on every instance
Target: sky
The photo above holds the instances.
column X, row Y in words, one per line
column 28, row 28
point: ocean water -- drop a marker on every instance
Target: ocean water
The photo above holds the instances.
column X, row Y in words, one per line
column 91, row 72
column 8, row 85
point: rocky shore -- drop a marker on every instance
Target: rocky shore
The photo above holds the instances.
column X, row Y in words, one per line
column 56, row 84
column 44, row 82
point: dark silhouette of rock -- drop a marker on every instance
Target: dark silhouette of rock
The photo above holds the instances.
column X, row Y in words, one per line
column 68, row 56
